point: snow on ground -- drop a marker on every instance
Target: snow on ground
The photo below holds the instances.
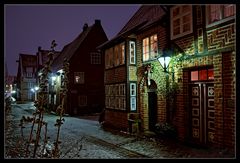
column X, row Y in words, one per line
column 86, row 139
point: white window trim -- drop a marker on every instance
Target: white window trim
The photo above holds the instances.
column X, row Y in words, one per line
column 180, row 16
column 133, row 96
column 134, row 52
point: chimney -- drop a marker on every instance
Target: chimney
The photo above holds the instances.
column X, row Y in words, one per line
column 97, row 22
column 85, row 26
column 39, row 48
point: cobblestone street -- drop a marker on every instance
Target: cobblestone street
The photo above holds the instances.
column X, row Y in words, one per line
column 86, row 139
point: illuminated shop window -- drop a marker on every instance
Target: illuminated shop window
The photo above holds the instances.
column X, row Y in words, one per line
column 202, row 75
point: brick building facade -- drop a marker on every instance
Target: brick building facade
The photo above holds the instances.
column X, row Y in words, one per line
column 196, row 94
column 86, row 69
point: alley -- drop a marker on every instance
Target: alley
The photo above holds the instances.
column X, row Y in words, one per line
column 86, row 139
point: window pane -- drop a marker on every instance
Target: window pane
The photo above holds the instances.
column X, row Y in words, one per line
column 78, row 77
column 145, row 49
column 133, row 89
column 203, row 75
column 186, row 18
column 185, row 8
column 176, row 11
column 176, row 22
column 132, row 52
column 186, row 27
column 133, row 103
column 122, row 53
column 194, row 75
column 214, row 11
column 176, row 31
column 210, row 74
column 229, row 10
column 116, row 59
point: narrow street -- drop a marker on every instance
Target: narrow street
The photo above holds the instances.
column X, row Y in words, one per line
column 86, row 139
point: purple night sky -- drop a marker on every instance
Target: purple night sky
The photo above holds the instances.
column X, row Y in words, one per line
column 29, row 26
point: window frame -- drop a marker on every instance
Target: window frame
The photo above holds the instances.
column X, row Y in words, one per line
column 147, row 49
column 81, row 76
column 133, row 97
column 132, row 50
column 222, row 19
column 115, row 97
column 181, row 23
column 96, row 58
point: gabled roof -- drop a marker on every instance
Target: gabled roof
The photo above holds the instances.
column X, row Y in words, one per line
column 70, row 49
column 146, row 13
column 28, row 60
column 145, row 16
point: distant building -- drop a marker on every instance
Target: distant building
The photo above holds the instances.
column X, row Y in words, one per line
column 195, row 93
column 86, row 64
column 26, row 76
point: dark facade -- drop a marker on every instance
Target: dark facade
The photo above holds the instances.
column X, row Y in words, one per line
column 195, row 93
column 86, row 66
column 26, row 77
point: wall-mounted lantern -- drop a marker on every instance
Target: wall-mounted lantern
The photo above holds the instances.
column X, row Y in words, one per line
column 164, row 60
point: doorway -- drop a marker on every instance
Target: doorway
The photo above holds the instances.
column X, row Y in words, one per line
column 202, row 112
column 152, row 110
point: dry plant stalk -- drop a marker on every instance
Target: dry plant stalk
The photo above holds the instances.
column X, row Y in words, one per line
column 60, row 108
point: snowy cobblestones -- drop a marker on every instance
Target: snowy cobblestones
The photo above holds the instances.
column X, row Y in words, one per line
column 86, row 139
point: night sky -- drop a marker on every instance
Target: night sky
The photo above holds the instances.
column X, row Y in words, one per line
column 29, row 26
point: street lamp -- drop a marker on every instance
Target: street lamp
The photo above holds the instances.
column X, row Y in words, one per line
column 35, row 91
column 164, row 61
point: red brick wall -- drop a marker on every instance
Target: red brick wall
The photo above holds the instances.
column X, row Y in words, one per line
column 229, row 89
column 221, row 37
column 116, row 119
column 157, row 76
column 114, row 75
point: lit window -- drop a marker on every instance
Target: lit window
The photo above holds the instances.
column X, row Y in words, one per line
column 79, row 77
column 181, row 20
column 150, row 47
column 201, row 75
column 122, row 60
column 116, row 55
